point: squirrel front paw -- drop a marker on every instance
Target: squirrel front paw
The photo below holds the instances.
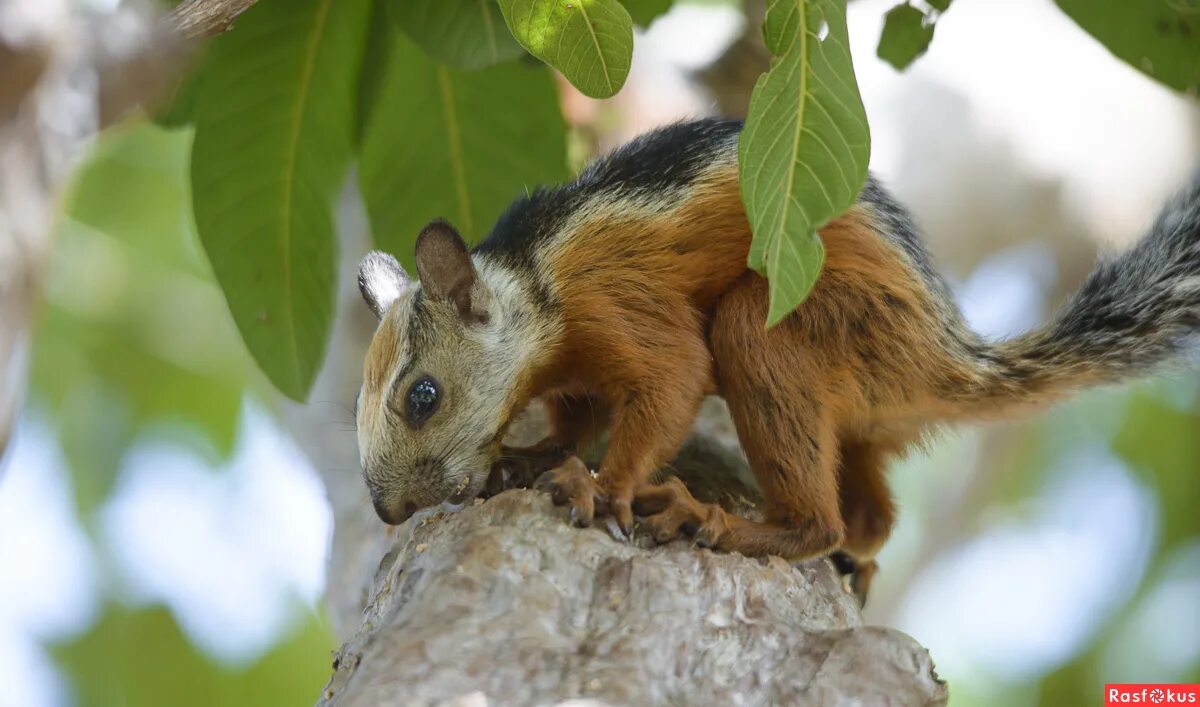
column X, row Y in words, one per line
column 572, row 484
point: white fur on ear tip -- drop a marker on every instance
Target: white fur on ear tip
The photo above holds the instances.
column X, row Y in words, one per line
column 381, row 280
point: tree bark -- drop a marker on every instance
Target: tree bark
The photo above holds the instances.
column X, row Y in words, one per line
column 505, row 603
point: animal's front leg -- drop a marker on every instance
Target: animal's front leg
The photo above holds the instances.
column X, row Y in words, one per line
column 649, row 425
column 652, row 373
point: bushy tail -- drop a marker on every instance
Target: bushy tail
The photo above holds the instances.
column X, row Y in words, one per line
column 1135, row 313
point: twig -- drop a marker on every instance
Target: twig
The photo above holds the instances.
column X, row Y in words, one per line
column 196, row 19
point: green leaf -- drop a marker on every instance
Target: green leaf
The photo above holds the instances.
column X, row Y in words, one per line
column 275, row 125
column 458, row 145
column 1160, row 38
column 804, row 150
column 644, row 12
column 180, row 106
column 375, row 53
column 939, row 5
column 466, row 34
column 589, row 41
column 905, row 36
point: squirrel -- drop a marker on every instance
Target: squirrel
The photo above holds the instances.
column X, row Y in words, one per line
column 623, row 298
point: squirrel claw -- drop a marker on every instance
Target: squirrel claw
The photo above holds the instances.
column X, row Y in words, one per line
column 856, row 574
column 616, row 531
column 626, row 528
column 703, row 538
column 623, row 515
column 578, row 518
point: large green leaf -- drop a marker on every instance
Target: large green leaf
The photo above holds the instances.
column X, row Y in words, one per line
column 589, row 41
column 804, row 150
column 458, row 145
column 275, row 125
column 645, row 12
column 1160, row 38
column 466, row 34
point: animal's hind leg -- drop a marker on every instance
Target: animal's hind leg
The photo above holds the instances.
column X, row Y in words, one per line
column 774, row 388
column 868, row 511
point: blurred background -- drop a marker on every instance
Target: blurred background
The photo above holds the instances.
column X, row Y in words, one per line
column 166, row 518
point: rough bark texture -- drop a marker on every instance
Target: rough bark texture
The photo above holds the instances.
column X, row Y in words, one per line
column 505, row 603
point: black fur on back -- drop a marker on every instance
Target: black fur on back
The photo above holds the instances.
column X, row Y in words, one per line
column 897, row 225
column 658, row 161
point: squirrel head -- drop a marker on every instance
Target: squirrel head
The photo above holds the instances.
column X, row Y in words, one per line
column 441, row 375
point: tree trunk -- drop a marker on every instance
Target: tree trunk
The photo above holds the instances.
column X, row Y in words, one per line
column 505, row 603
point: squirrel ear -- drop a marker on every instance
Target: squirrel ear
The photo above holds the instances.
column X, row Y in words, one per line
column 447, row 273
column 381, row 279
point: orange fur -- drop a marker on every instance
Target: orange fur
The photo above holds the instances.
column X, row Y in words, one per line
column 819, row 401
column 634, row 329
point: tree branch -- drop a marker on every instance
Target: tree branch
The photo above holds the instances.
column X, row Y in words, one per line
column 196, row 19
column 505, row 603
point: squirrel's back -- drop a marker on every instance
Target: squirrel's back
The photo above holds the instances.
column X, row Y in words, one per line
column 661, row 220
column 667, row 202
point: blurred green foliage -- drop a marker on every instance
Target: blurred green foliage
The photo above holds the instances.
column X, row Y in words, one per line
column 1158, row 437
column 135, row 342
column 907, row 33
column 1160, row 38
column 139, row 658
column 134, row 335
column 1160, row 441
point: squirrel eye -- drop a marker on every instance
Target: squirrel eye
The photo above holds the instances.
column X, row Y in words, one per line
column 421, row 401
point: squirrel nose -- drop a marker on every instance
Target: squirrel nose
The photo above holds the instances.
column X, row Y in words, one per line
column 394, row 514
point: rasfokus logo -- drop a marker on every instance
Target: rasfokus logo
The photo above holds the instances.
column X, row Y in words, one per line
column 1151, row 694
